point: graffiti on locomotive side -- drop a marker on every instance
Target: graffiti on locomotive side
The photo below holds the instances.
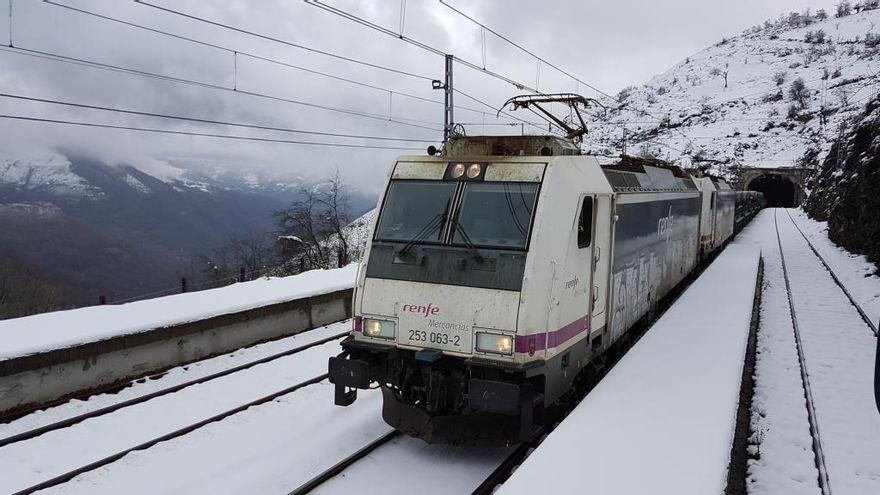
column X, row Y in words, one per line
column 636, row 284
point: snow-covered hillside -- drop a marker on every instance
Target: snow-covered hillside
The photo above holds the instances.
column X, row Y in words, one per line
column 54, row 176
column 733, row 101
column 51, row 175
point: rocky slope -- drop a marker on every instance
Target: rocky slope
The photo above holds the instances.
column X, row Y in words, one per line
column 846, row 188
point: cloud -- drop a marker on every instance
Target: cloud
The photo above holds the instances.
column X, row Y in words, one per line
column 608, row 44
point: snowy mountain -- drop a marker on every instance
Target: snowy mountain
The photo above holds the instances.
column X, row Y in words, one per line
column 734, row 102
column 122, row 230
column 55, row 176
column 50, row 176
column 119, row 231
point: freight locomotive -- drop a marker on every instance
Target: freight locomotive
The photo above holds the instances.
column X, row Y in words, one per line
column 501, row 269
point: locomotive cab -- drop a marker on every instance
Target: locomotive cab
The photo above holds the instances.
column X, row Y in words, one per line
column 468, row 251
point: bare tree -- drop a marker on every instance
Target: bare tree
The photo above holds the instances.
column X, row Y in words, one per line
column 311, row 231
column 335, row 203
column 23, row 292
column 799, row 93
column 717, row 72
column 251, row 253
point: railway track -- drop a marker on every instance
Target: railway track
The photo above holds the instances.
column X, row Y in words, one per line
column 811, row 275
column 871, row 324
column 105, row 449
column 819, row 456
column 344, row 464
column 35, row 432
column 67, row 476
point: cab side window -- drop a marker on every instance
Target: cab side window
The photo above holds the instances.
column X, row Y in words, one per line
column 585, row 223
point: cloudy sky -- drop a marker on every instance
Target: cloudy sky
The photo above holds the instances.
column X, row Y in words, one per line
column 247, row 78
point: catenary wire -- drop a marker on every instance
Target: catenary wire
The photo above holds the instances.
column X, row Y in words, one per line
column 141, row 73
column 545, row 62
column 199, row 134
column 288, row 43
column 359, row 20
column 284, row 42
column 208, row 121
column 237, row 52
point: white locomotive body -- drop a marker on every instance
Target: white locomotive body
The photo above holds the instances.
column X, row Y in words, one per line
column 500, row 270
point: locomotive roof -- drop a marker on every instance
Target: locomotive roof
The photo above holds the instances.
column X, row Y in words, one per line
column 509, row 146
column 632, row 174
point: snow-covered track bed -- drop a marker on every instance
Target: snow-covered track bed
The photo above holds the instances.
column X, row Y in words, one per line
column 336, row 469
column 138, row 399
column 55, row 451
column 872, row 324
column 270, row 448
column 833, row 355
column 402, row 465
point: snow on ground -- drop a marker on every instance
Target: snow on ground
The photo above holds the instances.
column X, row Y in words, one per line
column 33, row 334
column 170, row 378
column 268, row 449
column 418, row 468
column 662, row 420
column 854, row 271
column 29, row 462
column 780, row 445
column 839, row 352
column 691, row 109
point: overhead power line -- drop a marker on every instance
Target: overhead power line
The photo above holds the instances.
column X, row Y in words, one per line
column 284, row 42
column 209, row 121
column 524, row 49
column 297, row 45
column 376, row 27
column 424, row 46
column 542, row 60
column 116, row 68
column 199, row 134
column 499, row 110
column 242, row 53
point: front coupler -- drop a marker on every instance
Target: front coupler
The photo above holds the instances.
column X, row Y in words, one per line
column 348, row 375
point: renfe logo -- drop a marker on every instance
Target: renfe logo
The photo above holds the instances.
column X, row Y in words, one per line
column 664, row 225
column 428, row 310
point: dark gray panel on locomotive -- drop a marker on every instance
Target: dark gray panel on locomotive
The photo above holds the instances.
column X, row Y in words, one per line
column 655, row 246
column 481, row 268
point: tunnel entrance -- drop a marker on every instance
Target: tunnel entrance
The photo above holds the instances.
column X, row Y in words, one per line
column 779, row 191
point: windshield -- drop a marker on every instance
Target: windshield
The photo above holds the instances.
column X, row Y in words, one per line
column 414, row 208
column 496, row 214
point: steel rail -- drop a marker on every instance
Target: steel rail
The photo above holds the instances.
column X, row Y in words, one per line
column 63, row 478
column 342, row 465
column 505, row 469
column 871, row 324
column 26, row 435
column 818, row 454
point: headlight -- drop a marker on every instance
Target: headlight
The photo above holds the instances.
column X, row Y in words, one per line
column 494, row 343
column 382, row 329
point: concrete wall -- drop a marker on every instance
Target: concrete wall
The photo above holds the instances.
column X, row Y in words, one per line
column 44, row 378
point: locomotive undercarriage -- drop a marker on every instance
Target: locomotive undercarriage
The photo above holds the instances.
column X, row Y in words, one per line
column 444, row 399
